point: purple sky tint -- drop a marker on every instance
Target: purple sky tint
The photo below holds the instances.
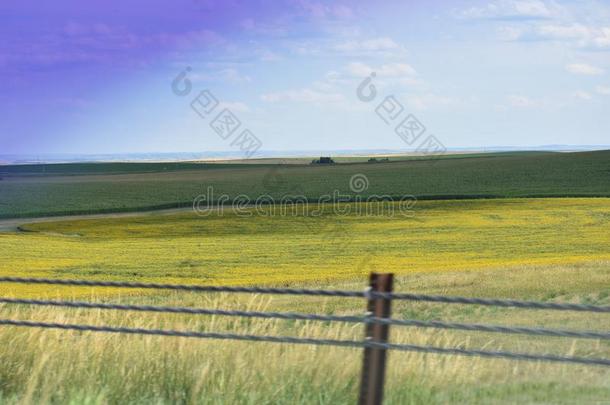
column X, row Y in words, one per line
column 57, row 57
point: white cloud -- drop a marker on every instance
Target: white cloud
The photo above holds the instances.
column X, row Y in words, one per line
column 332, row 81
column 426, row 101
column 582, row 95
column 269, row 56
column 580, row 35
column 396, row 70
column 565, row 32
column 189, row 39
column 603, row 90
column 359, row 69
column 511, row 9
column 602, row 39
column 510, row 33
column 584, row 69
column 409, row 81
column 235, row 106
column 520, row 101
column 532, row 9
column 227, row 74
column 233, row 75
column 319, row 10
column 268, row 29
column 355, row 46
column 375, row 44
column 303, row 96
column 393, row 70
column 332, row 76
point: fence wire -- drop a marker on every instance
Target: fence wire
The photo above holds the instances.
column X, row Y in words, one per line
column 494, row 302
column 185, row 287
column 313, row 292
column 310, row 341
column 314, row 317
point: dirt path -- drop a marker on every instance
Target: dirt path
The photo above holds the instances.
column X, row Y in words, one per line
column 12, row 224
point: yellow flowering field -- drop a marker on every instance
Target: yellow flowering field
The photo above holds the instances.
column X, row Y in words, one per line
column 232, row 248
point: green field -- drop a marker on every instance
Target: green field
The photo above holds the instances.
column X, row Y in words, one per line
column 37, row 169
column 42, row 190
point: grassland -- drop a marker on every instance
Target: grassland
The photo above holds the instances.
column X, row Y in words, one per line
column 543, row 249
column 41, row 190
column 87, row 368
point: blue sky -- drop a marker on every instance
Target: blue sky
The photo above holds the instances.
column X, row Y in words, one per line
column 97, row 77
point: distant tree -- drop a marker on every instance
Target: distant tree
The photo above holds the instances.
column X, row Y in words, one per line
column 324, row 160
column 375, row 160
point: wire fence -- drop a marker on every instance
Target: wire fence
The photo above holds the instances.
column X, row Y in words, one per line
column 368, row 293
column 377, row 321
column 314, row 317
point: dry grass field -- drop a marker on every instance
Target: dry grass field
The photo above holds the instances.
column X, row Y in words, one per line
column 94, row 368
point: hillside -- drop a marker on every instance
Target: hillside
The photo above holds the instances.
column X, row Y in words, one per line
column 38, row 190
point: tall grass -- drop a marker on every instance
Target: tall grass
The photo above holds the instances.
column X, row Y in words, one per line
column 46, row 366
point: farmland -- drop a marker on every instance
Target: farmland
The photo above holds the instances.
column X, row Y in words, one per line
column 547, row 249
column 229, row 248
column 40, row 190
column 542, row 249
column 60, row 367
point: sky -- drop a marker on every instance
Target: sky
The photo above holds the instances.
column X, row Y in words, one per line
column 93, row 77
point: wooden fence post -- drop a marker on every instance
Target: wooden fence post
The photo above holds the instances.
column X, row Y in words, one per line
column 374, row 359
